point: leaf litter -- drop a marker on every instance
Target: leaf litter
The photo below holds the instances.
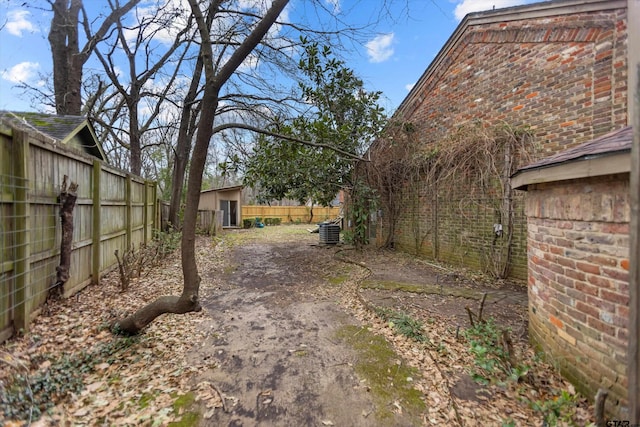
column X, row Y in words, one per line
column 137, row 381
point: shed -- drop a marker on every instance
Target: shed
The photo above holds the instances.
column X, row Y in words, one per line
column 73, row 132
column 578, row 211
column 225, row 199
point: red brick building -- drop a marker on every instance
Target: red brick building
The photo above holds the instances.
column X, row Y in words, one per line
column 557, row 69
column 578, row 211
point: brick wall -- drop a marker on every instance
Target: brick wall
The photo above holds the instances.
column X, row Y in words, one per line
column 564, row 77
column 578, row 238
column 458, row 229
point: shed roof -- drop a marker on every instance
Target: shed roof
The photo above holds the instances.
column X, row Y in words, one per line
column 62, row 129
column 605, row 155
column 231, row 188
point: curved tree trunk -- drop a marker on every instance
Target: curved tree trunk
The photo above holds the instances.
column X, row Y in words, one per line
column 188, row 301
column 147, row 314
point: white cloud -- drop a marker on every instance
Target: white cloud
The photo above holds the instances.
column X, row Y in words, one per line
column 468, row 6
column 21, row 72
column 257, row 5
column 409, row 86
column 118, row 71
column 17, row 22
column 380, row 48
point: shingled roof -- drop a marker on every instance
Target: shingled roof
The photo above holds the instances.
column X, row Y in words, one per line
column 613, row 142
column 616, row 145
column 62, row 129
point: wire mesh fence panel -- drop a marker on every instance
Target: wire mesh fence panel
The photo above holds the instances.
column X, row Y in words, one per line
column 113, row 211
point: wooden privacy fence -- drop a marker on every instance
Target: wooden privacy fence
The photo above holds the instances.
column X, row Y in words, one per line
column 290, row 214
column 114, row 210
column 209, row 222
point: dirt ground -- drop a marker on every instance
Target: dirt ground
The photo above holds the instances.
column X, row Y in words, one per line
column 291, row 333
column 279, row 306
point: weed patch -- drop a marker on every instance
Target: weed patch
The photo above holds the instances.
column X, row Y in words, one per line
column 26, row 396
column 403, row 324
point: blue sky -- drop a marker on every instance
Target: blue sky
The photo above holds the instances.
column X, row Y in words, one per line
column 390, row 61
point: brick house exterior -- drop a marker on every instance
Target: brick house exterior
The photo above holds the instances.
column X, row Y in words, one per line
column 578, row 212
column 558, row 68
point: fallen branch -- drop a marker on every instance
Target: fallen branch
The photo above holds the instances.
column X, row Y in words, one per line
column 224, row 405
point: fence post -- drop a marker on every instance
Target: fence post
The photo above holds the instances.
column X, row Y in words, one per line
column 22, row 235
column 145, row 212
column 97, row 172
column 128, row 201
column 158, row 205
column 154, row 207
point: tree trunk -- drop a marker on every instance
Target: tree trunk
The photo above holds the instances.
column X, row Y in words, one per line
column 67, row 201
column 63, row 38
column 183, row 146
column 135, row 147
column 189, row 300
column 68, row 59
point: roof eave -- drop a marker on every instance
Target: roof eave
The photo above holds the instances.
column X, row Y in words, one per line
column 235, row 187
column 94, row 136
column 586, row 167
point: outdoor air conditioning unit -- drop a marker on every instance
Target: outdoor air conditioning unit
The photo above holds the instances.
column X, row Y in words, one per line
column 329, row 233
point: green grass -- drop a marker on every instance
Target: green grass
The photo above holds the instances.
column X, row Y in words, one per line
column 185, row 406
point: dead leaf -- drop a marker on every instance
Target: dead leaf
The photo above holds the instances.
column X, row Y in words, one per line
column 81, row 412
column 95, row 386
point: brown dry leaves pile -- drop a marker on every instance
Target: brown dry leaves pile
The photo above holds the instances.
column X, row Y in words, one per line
column 139, row 382
column 444, row 359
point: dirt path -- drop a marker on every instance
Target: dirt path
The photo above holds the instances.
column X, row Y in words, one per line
column 279, row 359
column 284, row 348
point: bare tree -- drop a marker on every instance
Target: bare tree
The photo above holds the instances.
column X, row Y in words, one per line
column 249, row 97
column 136, row 43
column 188, row 122
column 68, row 58
column 214, row 81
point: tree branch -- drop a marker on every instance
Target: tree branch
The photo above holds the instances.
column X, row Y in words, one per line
column 255, row 129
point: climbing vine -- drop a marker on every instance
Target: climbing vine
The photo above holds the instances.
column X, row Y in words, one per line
column 471, row 164
column 363, row 201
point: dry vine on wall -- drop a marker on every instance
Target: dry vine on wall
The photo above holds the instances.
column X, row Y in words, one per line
column 394, row 167
column 477, row 157
column 481, row 159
